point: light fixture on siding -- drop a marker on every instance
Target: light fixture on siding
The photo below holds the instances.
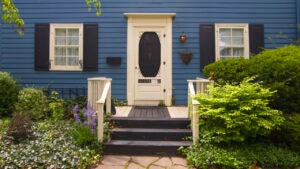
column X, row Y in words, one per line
column 182, row 37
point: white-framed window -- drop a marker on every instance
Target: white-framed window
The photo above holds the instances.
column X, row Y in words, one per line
column 232, row 40
column 66, row 47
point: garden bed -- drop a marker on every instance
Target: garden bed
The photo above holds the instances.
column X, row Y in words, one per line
column 50, row 146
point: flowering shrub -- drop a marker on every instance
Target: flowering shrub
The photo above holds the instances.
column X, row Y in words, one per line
column 90, row 118
column 84, row 132
column 50, row 146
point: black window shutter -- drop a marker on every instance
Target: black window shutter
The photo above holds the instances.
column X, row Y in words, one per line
column 90, row 47
column 207, row 44
column 41, row 44
column 256, row 38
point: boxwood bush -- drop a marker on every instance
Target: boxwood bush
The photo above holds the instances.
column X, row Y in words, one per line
column 289, row 134
column 32, row 102
column 229, row 70
column 279, row 69
column 8, row 94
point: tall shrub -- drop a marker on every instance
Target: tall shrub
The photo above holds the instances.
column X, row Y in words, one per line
column 235, row 113
column 228, row 71
column 8, row 94
column 32, row 102
column 279, row 70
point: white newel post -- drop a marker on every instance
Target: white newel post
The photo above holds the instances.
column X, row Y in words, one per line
column 99, row 93
column 195, row 123
column 100, row 121
column 193, row 105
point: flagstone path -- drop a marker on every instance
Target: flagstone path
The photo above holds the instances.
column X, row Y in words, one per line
column 142, row 162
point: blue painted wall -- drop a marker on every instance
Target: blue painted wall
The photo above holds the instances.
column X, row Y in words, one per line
column 17, row 53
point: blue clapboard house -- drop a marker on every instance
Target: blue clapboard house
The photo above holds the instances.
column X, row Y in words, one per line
column 148, row 47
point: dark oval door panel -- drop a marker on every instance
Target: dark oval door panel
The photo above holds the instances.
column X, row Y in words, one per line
column 149, row 54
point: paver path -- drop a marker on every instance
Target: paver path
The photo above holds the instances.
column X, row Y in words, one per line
column 142, row 162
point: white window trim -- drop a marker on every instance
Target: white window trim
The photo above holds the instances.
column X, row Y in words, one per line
column 52, row 51
column 244, row 26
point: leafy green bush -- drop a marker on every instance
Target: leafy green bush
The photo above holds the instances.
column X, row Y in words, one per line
column 289, row 133
column 32, row 102
column 235, row 113
column 279, row 70
column 8, row 94
column 50, row 146
column 241, row 156
column 20, row 127
column 228, row 71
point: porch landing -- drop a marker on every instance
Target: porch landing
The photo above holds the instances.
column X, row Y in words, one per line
column 174, row 111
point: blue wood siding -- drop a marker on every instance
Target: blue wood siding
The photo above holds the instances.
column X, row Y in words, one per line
column 17, row 53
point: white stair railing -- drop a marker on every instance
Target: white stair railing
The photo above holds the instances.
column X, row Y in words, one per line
column 201, row 87
column 99, row 93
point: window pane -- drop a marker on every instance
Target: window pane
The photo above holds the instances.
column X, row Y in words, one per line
column 72, row 52
column 73, row 36
column 73, row 61
column 60, row 32
column 60, row 61
column 225, row 52
column 60, row 52
column 237, row 32
column 60, row 40
column 60, row 36
column 238, row 41
column 73, row 32
column 60, row 56
column 73, row 56
column 224, row 41
column 224, row 32
column 238, row 52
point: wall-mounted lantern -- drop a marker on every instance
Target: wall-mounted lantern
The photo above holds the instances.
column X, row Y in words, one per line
column 182, row 37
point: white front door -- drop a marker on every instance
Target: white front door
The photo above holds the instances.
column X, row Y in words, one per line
column 149, row 58
column 150, row 63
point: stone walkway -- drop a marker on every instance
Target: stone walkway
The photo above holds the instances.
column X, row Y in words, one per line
column 142, row 162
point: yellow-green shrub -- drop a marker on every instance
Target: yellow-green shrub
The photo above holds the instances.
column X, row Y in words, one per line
column 235, row 113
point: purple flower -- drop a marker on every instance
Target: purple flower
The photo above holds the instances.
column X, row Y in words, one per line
column 90, row 117
column 75, row 113
column 75, row 109
column 85, row 112
column 77, row 118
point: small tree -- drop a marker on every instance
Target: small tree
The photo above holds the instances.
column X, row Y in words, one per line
column 10, row 13
column 235, row 113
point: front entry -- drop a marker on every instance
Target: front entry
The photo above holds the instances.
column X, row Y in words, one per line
column 149, row 70
column 149, row 61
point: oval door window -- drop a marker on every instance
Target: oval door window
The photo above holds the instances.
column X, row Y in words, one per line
column 149, row 54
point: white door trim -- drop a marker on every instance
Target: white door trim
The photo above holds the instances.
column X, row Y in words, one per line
column 148, row 20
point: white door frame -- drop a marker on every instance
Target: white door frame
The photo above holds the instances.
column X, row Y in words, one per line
column 148, row 20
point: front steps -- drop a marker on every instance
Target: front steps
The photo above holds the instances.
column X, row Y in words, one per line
column 142, row 136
